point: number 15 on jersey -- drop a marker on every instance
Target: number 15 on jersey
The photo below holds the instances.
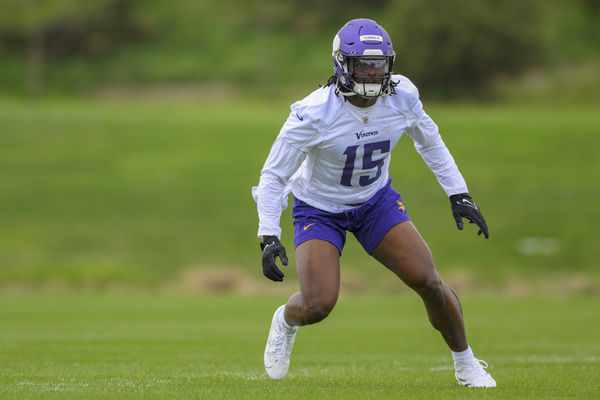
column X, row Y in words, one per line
column 368, row 162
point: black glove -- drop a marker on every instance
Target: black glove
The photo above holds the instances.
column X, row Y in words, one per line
column 271, row 248
column 464, row 206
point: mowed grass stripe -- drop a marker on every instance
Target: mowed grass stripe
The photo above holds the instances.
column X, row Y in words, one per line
column 93, row 346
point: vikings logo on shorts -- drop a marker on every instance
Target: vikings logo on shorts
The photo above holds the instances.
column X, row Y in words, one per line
column 401, row 206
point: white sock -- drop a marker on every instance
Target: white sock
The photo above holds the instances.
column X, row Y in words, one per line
column 283, row 322
column 462, row 356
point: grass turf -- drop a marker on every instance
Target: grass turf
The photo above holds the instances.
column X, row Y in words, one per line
column 150, row 346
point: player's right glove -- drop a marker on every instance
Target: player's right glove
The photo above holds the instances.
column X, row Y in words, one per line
column 271, row 248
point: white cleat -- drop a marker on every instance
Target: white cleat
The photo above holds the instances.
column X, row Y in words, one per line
column 472, row 374
column 279, row 347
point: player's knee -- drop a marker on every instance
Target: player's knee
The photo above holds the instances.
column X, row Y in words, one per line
column 318, row 310
column 430, row 288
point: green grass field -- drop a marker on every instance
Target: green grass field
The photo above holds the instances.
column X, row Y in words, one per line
column 371, row 347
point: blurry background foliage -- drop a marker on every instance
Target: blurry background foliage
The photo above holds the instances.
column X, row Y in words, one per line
column 268, row 46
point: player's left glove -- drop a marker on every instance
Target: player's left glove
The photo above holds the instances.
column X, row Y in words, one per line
column 464, row 206
column 271, row 248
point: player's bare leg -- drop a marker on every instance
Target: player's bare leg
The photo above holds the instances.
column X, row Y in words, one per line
column 404, row 252
column 318, row 268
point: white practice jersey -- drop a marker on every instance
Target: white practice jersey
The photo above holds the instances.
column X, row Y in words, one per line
column 333, row 155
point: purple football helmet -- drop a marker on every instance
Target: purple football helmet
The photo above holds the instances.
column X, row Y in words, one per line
column 363, row 58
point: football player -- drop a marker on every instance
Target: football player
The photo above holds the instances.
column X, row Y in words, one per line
column 333, row 155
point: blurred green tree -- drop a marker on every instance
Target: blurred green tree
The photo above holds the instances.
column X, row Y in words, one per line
column 447, row 48
column 463, row 45
column 59, row 27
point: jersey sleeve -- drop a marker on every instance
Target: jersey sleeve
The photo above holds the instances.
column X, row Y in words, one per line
column 429, row 144
column 287, row 154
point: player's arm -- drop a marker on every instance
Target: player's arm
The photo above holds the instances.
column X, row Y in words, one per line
column 433, row 150
column 297, row 136
column 271, row 198
column 272, row 191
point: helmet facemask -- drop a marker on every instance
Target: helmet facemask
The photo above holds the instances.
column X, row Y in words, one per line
column 369, row 76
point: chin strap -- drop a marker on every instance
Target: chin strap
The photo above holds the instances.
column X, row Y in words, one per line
column 342, row 90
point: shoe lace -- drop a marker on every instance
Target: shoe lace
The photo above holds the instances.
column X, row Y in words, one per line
column 478, row 367
column 281, row 344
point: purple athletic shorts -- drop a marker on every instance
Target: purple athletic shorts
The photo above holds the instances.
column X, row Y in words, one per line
column 369, row 222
